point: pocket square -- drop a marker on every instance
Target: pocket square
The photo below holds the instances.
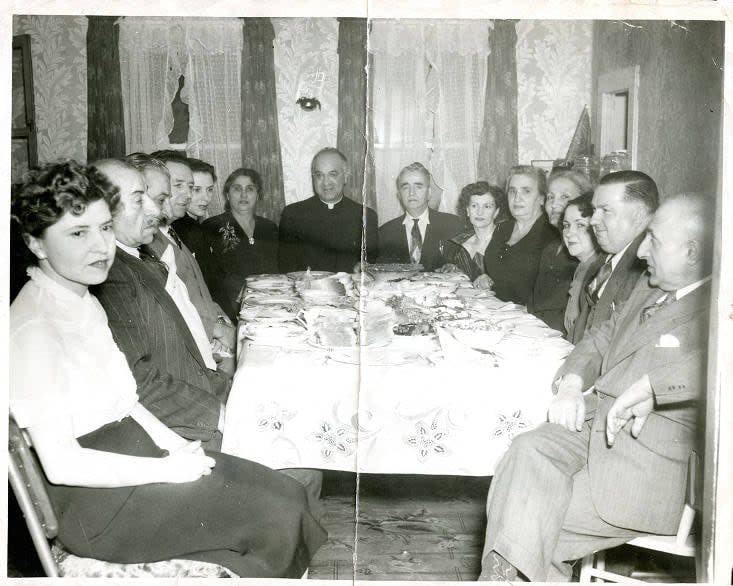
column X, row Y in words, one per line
column 668, row 341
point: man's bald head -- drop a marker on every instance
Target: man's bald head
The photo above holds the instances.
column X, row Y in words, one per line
column 678, row 244
column 135, row 220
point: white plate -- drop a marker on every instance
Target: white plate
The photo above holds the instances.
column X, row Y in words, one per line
column 300, row 275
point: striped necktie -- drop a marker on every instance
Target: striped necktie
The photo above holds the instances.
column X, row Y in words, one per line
column 601, row 277
column 416, row 241
column 175, row 237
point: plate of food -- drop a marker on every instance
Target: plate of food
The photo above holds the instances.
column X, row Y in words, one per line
column 393, row 271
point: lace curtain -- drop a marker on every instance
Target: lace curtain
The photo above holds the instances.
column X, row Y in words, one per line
column 154, row 53
column 402, row 130
column 212, row 91
column 427, row 102
column 152, row 58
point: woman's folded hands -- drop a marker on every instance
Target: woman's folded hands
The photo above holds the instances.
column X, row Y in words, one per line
column 187, row 464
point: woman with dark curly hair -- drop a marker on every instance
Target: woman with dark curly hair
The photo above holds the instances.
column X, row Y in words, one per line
column 578, row 237
column 240, row 242
column 124, row 487
column 482, row 205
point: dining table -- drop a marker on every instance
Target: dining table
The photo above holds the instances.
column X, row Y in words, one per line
column 446, row 399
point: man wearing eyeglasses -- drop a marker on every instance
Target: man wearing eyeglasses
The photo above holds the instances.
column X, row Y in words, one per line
column 324, row 232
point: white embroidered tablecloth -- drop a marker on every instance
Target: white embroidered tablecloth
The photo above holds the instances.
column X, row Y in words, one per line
column 297, row 408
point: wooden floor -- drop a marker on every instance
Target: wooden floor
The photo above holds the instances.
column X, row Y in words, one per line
column 431, row 528
column 405, row 528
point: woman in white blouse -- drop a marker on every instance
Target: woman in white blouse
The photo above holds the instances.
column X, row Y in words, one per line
column 125, row 487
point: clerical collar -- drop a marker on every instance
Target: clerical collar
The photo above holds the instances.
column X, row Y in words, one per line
column 331, row 205
column 129, row 249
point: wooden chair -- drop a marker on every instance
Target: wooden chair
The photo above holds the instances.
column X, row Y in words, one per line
column 682, row 544
column 26, row 479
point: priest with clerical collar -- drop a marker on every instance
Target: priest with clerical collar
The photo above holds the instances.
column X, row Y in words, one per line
column 324, row 232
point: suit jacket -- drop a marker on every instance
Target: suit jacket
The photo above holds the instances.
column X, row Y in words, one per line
column 312, row 235
column 190, row 232
column 188, row 269
column 394, row 248
column 617, row 290
column 173, row 381
column 640, row 483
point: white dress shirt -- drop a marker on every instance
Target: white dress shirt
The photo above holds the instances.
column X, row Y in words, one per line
column 64, row 360
column 422, row 223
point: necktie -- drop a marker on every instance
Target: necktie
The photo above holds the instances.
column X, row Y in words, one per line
column 175, row 237
column 416, row 241
column 148, row 257
column 601, row 277
column 650, row 310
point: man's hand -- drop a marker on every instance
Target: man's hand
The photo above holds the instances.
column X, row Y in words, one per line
column 448, row 267
column 226, row 335
column 637, row 401
column 568, row 406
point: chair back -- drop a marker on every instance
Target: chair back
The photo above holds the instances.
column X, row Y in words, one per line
column 26, row 479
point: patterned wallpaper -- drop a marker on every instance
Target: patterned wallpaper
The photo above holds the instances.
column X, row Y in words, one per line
column 59, row 59
column 680, row 90
column 554, row 83
column 306, row 65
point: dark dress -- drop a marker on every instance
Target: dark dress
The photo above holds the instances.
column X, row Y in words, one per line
column 249, row 518
column 244, row 516
column 190, row 232
column 551, row 288
column 456, row 254
column 231, row 258
column 326, row 239
column 514, row 268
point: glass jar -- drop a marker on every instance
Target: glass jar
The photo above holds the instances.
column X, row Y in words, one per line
column 615, row 161
column 589, row 166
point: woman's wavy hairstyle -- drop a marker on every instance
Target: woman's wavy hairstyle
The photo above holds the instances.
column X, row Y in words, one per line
column 482, row 188
column 53, row 190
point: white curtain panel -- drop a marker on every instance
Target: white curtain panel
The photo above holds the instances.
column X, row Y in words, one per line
column 428, row 94
column 402, row 125
column 152, row 58
column 457, row 52
column 213, row 93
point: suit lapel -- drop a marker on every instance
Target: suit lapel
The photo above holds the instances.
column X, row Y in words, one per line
column 619, row 274
column 402, row 242
column 430, row 245
column 157, row 289
column 634, row 335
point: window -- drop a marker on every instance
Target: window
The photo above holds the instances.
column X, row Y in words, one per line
column 23, row 136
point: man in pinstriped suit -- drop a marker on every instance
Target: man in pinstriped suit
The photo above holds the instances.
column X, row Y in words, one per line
column 611, row 465
column 173, row 380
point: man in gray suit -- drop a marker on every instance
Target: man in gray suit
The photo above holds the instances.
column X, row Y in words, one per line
column 624, row 203
column 611, row 465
